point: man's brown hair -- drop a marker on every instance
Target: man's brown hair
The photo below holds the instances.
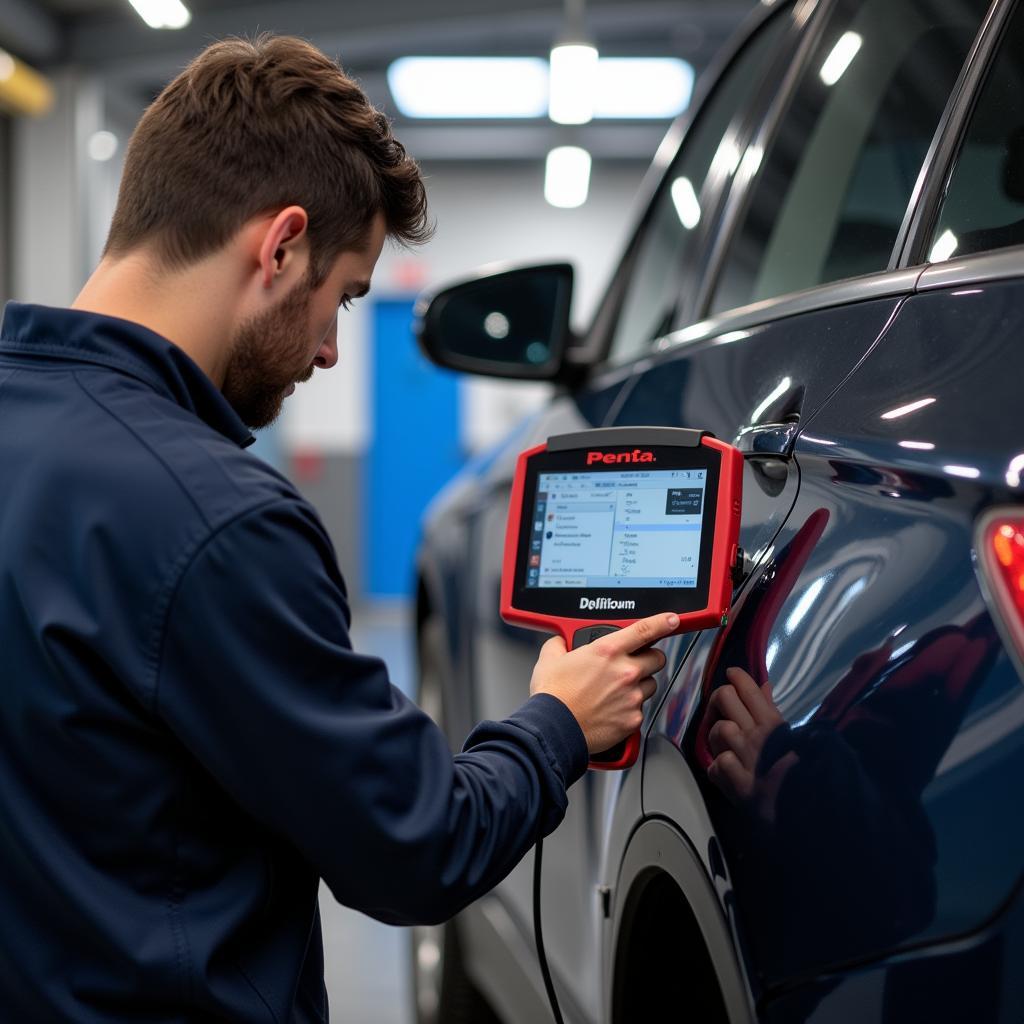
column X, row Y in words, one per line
column 251, row 127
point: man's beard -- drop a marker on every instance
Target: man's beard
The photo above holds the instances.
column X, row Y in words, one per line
column 267, row 354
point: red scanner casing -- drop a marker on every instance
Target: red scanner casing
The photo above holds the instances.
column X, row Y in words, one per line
column 728, row 506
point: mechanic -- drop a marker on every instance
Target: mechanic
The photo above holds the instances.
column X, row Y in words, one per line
column 188, row 742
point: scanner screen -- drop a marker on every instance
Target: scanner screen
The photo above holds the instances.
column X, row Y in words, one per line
column 635, row 528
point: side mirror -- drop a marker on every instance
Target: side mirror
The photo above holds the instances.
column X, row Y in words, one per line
column 510, row 324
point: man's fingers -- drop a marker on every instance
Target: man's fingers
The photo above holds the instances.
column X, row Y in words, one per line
column 723, row 736
column 717, row 743
column 727, row 704
column 761, row 708
column 649, row 662
column 648, row 687
column 730, row 776
column 551, row 648
column 641, row 633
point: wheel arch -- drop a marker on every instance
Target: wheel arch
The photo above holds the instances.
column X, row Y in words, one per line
column 668, row 919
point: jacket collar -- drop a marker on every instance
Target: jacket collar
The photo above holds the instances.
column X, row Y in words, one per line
column 76, row 336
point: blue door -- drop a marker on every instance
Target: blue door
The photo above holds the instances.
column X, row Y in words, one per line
column 414, row 449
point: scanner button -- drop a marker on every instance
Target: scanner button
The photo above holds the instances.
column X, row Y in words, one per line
column 588, row 634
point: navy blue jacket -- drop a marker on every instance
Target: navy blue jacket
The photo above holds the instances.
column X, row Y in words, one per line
column 188, row 742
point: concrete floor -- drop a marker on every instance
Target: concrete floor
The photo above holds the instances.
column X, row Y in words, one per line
column 367, row 963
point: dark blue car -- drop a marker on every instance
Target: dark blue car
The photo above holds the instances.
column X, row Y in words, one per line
column 829, row 274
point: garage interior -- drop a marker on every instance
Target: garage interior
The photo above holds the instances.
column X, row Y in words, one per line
column 75, row 75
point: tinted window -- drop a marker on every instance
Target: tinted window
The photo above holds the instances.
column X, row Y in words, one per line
column 653, row 292
column 984, row 205
column 835, row 185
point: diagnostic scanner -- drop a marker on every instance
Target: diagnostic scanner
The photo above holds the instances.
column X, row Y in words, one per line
column 610, row 525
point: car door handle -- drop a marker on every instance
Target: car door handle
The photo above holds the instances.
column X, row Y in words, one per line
column 773, row 425
column 768, row 439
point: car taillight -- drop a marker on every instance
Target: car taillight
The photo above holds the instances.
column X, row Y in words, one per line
column 1001, row 556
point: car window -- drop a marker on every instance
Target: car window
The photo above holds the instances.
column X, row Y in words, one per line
column 834, row 185
column 653, row 291
column 984, row 204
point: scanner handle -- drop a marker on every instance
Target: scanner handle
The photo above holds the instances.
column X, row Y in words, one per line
column 624, row 754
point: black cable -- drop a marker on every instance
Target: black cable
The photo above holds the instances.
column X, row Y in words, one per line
column 538, row 855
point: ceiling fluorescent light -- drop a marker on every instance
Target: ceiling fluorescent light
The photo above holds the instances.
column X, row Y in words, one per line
column 162, row 13
column 481, row 87
column 573, row 83
column 512, row 87
column 567, row 177
column 642, row 87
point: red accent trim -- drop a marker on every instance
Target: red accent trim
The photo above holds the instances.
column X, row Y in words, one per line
column 727, row 531
column 629, row 755
column 508, row 566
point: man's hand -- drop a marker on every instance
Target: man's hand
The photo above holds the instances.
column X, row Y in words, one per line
column 605, row 683
column 744, row 716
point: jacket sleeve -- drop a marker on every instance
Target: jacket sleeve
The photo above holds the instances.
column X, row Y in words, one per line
column 257, row 678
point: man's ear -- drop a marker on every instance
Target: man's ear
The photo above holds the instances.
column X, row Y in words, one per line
column 284, row 246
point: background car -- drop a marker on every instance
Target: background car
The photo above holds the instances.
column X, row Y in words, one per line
column 828, row 273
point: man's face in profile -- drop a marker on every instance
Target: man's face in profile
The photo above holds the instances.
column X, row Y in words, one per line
column 269, row 354
column 275, row 350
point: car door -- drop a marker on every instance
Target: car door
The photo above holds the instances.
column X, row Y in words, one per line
column 641, row 301
column 754, row 374
column 921, row 446
column 906, row 715
column 864, row 612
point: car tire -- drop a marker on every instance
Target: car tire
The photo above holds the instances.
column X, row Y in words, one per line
column 443, row 992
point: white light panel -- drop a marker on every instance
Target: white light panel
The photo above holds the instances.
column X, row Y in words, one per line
column 626, row 88
column 642, row 87
column 572, row 84
column 162, row 13
column 481, row 87
column 567, row 177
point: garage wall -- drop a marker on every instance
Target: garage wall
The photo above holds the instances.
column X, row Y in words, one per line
column 47, row 228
